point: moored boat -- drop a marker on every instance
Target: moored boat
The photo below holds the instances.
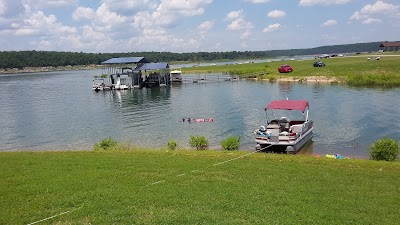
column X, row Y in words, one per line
column 285, row 134
column 176, row 75
column 98, row 84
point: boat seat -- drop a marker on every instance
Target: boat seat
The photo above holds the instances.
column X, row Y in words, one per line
column 284, row 126
column 284, row 138
column 296, row 128
column 284, row 133
column 272, row 126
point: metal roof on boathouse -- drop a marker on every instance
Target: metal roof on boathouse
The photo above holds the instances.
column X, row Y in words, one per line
column 126, row 60
column 153, row 66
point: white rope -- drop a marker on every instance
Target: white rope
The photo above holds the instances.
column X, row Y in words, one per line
column 160, row 181
column 261, row 149
column 54, row 216
column 216, row 164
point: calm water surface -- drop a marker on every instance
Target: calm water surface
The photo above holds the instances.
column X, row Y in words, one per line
column 59, row 111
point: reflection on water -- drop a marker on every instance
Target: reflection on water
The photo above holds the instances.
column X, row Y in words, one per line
column 60, row 111
column 285, row 88
column 307, row 149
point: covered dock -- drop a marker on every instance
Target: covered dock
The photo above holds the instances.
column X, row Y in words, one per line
column 118, row 73
column 155, row 74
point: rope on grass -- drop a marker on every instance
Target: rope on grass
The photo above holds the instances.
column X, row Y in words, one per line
column 216, row 164
column 259, row 150
column 158, row 182
column 51, row 217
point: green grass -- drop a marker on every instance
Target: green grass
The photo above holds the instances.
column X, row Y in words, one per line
column 115, row 188
column 355, row 71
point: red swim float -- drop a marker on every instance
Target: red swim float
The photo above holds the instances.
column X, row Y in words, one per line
column 204, row 120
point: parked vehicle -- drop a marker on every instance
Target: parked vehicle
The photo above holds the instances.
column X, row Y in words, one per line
column 319, row 64
column 285, row 69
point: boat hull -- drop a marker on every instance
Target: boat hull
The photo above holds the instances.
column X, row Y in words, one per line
column 285, row 147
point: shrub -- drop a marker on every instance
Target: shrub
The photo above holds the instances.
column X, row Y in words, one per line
column 106, row 144
column 272, row 79
column 172, row 144
column 231, row 143
column 198, row 142
column 384, row 149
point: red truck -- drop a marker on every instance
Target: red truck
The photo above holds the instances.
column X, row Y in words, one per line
column 285, row 69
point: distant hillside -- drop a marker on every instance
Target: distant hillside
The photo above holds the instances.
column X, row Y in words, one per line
column 21, row 59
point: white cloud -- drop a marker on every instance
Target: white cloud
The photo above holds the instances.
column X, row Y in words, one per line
column 206, row 26
column 379, row 8
column 357, row 16
column 102, row 19
column 234, row 15
column 162, row 43
column 74, row 41
column 371, row 21
column 38, row 23
column 276, row 14
column 239, row 23
column 107, row 17
column 169, row 12
column 122, row 5
column 83, row 13
column 3, row 8
column 152, row 25
column 45, row 4
column 272, row 27
column 25, row 32
column 322, row 2
column 44, row 45
column 183, row 7
column 257, row 1
column 246, row 34
column 173, row 25
column 329, row 23
column 10, row 9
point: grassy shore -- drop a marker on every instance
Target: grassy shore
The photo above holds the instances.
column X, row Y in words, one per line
column 354, row 70
column 191, row 187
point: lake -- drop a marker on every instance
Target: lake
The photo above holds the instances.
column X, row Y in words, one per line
column 59, row 111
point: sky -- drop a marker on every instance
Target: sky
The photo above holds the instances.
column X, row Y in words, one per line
column 111, row 26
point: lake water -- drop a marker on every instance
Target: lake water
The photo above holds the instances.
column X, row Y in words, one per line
column 59, row 111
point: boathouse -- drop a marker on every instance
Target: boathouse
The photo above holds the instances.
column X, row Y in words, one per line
column 390, row 46
column 119, row 72
column 134, row 72
column 156, row 74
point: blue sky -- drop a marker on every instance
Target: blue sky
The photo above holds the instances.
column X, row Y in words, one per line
column 193, row 25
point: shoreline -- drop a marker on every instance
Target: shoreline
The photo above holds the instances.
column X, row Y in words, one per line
column 311, row 79
column 314, row 79
column 48, row 69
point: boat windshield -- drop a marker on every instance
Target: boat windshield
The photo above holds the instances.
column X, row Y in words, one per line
column 288, row 114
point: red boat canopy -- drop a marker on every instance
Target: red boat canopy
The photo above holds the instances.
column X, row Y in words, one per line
column 288, row 105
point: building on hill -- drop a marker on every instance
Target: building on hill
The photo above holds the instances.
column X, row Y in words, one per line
column 390, row 46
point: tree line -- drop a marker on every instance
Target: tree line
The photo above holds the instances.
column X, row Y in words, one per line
column 21, row 59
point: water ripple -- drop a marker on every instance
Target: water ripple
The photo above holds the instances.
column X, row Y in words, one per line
column 60, row 111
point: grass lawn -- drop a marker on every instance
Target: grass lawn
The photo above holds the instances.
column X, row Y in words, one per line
column 355, row 70
column 188, row 187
